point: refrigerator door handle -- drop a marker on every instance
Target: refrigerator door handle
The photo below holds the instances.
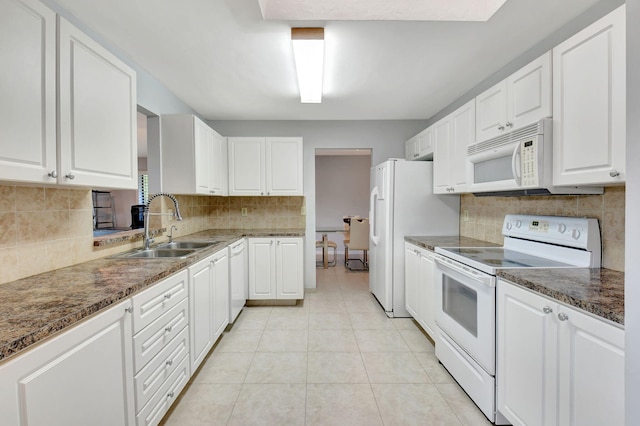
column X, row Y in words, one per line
column 375, row 239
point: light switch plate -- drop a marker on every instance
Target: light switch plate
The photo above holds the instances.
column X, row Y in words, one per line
column 303, row 211
column 465, row 215
column 244, row 211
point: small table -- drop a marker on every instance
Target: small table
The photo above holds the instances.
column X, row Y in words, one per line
column 325, row 249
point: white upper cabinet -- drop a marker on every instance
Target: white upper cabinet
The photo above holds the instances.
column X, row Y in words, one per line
column 194, row 157
column 521, row 99
column 420, row 146
column 28, row 103
column 97, row 101
column 96, row 105
column 265, row 166
column 589, row 101
column 452, row 136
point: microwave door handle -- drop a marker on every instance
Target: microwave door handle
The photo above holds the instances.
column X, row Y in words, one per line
column 515, row 163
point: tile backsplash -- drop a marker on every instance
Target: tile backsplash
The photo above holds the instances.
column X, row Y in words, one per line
column 486, row 215
column 44, row 228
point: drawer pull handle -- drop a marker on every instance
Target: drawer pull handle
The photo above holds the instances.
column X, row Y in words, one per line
column 70, row 176
column 547, row 310
column 169, row 362
column 562, row 316
column 170, row 394
column 168, row 329
column 614, row 173
column 167, row 296
column 53, row 174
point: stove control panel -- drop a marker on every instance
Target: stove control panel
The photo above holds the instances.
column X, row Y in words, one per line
column 578, row 232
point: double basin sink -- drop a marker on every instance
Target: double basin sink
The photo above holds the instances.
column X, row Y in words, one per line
column 174, row 249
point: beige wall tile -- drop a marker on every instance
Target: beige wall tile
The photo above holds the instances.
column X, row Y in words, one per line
column 8, row 229
column 9, row 265
column 56, row 199
column 26, row 255
column 30, row 199
column 7, row 199
column 80, row 199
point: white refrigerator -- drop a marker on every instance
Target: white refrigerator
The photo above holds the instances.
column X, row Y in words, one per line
column 402, row 203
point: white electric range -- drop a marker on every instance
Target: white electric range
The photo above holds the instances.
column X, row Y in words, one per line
column 465, row 287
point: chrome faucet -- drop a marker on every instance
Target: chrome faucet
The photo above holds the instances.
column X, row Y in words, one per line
column 147, row 213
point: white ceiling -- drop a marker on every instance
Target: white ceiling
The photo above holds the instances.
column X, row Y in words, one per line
column 226, row 62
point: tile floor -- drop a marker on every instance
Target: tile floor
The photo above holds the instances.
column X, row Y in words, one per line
column 336, row 360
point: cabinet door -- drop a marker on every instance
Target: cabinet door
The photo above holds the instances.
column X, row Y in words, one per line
column 442, row 156
column 238, row 278
column 491, row 110
column 591, row 370
column 83, row 376
column 425, row 143
column 284, row 166
column 201, row 310
column 411, row 149
column 246, row 166
column 462, row 135
column 97, row 125
column 218, row 165
column 411, row 279
column 427, row 298
column 203, row 140
column 262, row 268
column 529, row 91
column 526, row 356
column 589, row 101
column 221, row 293
column 289, row 268
column 28, row 87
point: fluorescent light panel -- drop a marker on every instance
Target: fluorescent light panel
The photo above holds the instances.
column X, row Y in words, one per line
column 308, row 53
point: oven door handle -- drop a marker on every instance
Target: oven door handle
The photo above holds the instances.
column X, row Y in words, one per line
column 478, row 277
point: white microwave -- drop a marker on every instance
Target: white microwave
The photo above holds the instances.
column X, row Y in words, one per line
column 517, row 163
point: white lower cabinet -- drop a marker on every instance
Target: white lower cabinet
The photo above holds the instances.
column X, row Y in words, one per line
column 276, row 268
column 419, row 287
column 209, row 297
column 160, row 346
column 83, row 376
column 555, row 364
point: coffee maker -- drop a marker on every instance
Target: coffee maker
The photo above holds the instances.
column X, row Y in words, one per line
column 137, row 216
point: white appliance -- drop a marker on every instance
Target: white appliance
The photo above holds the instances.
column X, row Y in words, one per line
column 518, row 163
column 402, row 203
column 465, row 290
column 238, row 278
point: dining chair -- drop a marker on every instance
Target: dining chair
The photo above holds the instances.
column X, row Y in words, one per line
column 358, row 240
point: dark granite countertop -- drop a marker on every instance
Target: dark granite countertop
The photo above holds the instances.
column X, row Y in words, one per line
column 596, row 291
column 431, row 242
column 39, row 306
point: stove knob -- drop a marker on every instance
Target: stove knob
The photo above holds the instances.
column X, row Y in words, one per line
column 575, row 234
column 562, row 228
column 518, row 223
column 509, row 226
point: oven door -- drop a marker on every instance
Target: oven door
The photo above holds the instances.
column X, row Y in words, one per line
column 466, row 309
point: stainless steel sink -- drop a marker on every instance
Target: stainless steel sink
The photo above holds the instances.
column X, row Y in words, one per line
column 187, row 245
column 155, row 253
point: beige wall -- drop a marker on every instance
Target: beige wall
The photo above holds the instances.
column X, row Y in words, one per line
column 487, row 213
column 42, row 229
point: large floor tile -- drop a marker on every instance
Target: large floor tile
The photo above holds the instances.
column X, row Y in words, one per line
column 278, row 367
column 370, row 321
column 341, row 404
column 394, row 367
column 239, row 341
column 330, row 304
column 417, row 341
column 225, row 367
column 332, row 341
column 269, row 404
column 293, row 319
column 329, row 321
column 380, row 341
column 413, row 404
column 336, row 367
column 204, row 404
column 283, row 341
column 468, row 413
column 436, row 372
column 254, row 318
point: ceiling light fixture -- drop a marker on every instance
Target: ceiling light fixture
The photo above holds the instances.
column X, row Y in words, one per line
column 308, row 53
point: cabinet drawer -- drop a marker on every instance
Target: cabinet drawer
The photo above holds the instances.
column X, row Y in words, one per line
column 161, row 401
column 150, row 341
column 152, row 303
column 154, row 374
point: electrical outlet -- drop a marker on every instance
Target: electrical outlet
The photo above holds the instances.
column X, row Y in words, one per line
column 465, row 215
column 303, row 211
column 244, row 211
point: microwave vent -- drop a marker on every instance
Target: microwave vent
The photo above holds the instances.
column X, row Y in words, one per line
column 522, row 133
